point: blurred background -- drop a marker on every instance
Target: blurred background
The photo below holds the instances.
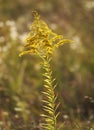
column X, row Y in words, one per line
column 73, row 64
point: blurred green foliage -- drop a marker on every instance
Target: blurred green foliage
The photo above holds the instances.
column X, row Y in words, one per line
column 21, row 79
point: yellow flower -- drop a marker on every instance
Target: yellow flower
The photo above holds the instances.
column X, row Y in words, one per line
column 41, row 40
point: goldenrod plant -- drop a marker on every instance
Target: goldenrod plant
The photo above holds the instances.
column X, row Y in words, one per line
column 42, row 41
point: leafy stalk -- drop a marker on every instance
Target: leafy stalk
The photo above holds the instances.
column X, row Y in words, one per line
column 50, row 97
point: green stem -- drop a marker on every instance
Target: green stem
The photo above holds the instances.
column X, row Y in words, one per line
column 49, row 101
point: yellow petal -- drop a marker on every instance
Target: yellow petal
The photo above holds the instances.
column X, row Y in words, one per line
column 61, row 42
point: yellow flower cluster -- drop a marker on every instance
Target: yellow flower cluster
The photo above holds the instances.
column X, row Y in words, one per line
column 41, row 40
